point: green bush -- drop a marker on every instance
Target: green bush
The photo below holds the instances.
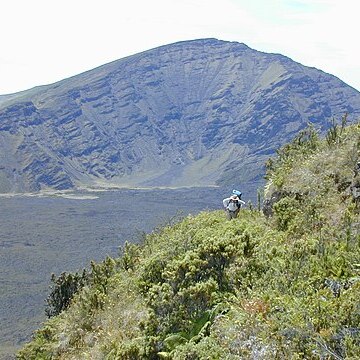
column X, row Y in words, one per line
column 63, row 290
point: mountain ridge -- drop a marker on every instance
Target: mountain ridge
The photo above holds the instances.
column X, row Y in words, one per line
column 190, row 113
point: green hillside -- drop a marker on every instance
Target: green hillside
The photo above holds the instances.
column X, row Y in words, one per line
column 281, row 286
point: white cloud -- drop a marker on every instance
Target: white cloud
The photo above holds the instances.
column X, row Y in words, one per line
column 45, row 41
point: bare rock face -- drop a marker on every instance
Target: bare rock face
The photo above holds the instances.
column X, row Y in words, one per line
column 193, row 113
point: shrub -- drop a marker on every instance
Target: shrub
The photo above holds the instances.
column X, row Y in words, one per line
column 63, row 290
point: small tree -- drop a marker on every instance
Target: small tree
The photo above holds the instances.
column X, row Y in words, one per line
column 63, row 289
column 333, row 135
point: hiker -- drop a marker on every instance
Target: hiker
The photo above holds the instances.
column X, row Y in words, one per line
column 233, row 204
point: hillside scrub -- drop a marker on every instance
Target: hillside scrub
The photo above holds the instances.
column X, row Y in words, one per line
column 281, row 286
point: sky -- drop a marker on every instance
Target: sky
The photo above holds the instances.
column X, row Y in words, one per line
column 45, row 41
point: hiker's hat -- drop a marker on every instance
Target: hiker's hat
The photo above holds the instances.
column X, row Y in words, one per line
column 236, row 192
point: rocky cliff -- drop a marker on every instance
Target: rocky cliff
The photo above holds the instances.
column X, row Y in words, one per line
column 199, row 112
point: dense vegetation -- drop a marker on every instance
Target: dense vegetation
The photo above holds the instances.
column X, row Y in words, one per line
column 281, row 286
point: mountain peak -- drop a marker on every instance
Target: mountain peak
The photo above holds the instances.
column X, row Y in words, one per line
column 193, row 113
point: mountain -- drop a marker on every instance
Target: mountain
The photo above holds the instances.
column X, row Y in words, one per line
column 285, row 286
column 193, row 113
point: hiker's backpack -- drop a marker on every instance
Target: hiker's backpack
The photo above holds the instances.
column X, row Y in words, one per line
column 238, row 193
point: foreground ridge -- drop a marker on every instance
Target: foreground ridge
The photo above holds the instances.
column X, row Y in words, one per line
column 281, row 286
